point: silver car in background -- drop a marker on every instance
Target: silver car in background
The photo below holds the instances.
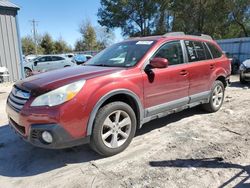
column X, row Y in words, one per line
column 245, row 71
column 46, row 63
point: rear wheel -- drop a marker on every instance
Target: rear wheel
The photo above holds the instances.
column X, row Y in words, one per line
column 216, row 97
column 114, row 128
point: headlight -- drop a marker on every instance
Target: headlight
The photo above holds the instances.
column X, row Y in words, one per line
column 59, row 95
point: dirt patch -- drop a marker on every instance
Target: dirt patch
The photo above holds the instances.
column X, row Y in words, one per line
column 188, row 149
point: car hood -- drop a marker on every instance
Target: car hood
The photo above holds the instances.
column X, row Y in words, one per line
column 44, row 82
column 246, row 63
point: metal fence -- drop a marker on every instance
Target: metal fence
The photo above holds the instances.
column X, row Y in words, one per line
column 238, row 47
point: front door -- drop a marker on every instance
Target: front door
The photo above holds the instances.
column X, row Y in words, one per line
column 42, row 64
column 167, row 88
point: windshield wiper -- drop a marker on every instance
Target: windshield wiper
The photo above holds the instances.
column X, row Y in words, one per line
column 102, row 65
column 99, row 65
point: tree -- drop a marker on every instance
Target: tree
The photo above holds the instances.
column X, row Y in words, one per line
column 220, row 19
column 240, row 15
column 60, row 46
column 135, row 18
column 105, row 37
column 79, row 45
column 164, row 21
column 28, row 46
column 88, row 35
column 199, row 16
column 93, row 38
column 47, row 44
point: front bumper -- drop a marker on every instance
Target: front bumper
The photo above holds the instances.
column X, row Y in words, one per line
column 245, row 75
column 61, row 139
column 29, row 125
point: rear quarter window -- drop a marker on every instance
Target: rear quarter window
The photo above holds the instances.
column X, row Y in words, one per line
column 214, row 50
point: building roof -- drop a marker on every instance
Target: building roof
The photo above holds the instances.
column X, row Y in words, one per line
column 8, row 5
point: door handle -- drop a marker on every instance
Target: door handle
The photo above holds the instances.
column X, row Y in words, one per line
column 183, row 72
column 212, row 66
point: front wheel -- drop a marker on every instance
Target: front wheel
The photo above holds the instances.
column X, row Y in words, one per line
column 114, row 128
column 242, row 81
column 216, row 98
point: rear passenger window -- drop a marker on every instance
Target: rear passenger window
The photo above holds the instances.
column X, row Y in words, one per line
column 200, row 51
column 196, row 51
column 171, row 51
column 190, row 51
column 214, row 50
column 57, row 58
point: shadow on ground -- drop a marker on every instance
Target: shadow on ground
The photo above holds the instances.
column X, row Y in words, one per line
column 237, row 84
column 209, row 163
column 20, row 159
column 161, row 122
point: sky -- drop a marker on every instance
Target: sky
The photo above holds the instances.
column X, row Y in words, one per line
column 60, row 18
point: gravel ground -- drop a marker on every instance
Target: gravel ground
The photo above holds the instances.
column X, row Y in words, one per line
column 187, row 149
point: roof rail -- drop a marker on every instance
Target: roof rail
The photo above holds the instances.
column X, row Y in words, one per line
column 203, row 36
column 170, row 34
column 208, row 37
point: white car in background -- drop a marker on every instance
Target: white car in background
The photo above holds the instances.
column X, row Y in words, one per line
column 46, row 63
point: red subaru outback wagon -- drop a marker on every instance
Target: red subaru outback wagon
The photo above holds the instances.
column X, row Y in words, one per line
column 117, row 91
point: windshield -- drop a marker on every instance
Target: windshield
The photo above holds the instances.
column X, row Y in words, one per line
column 124, row 54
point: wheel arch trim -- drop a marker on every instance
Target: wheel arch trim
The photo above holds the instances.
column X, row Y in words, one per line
column 106, row 97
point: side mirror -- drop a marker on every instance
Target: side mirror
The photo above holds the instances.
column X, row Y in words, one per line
column 159, row 63
column 35, row 63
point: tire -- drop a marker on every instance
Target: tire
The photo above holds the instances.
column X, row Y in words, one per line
column 28, row 72
column 242, row 81
column 216, row 98
column 107, row 138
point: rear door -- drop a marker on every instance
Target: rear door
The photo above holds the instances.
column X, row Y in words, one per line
column 166, row 88
column 200, row 68
column 57, row 62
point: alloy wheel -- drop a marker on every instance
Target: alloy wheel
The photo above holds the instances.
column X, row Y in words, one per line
column 116, row 129
column 217, row 96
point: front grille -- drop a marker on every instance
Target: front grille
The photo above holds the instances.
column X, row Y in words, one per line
column 18, row 98
column 35, row 134
column 20, row 128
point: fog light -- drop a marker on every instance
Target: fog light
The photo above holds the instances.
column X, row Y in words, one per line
column 47, row 137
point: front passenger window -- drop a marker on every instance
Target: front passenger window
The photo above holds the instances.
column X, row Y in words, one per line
column 171, row 51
